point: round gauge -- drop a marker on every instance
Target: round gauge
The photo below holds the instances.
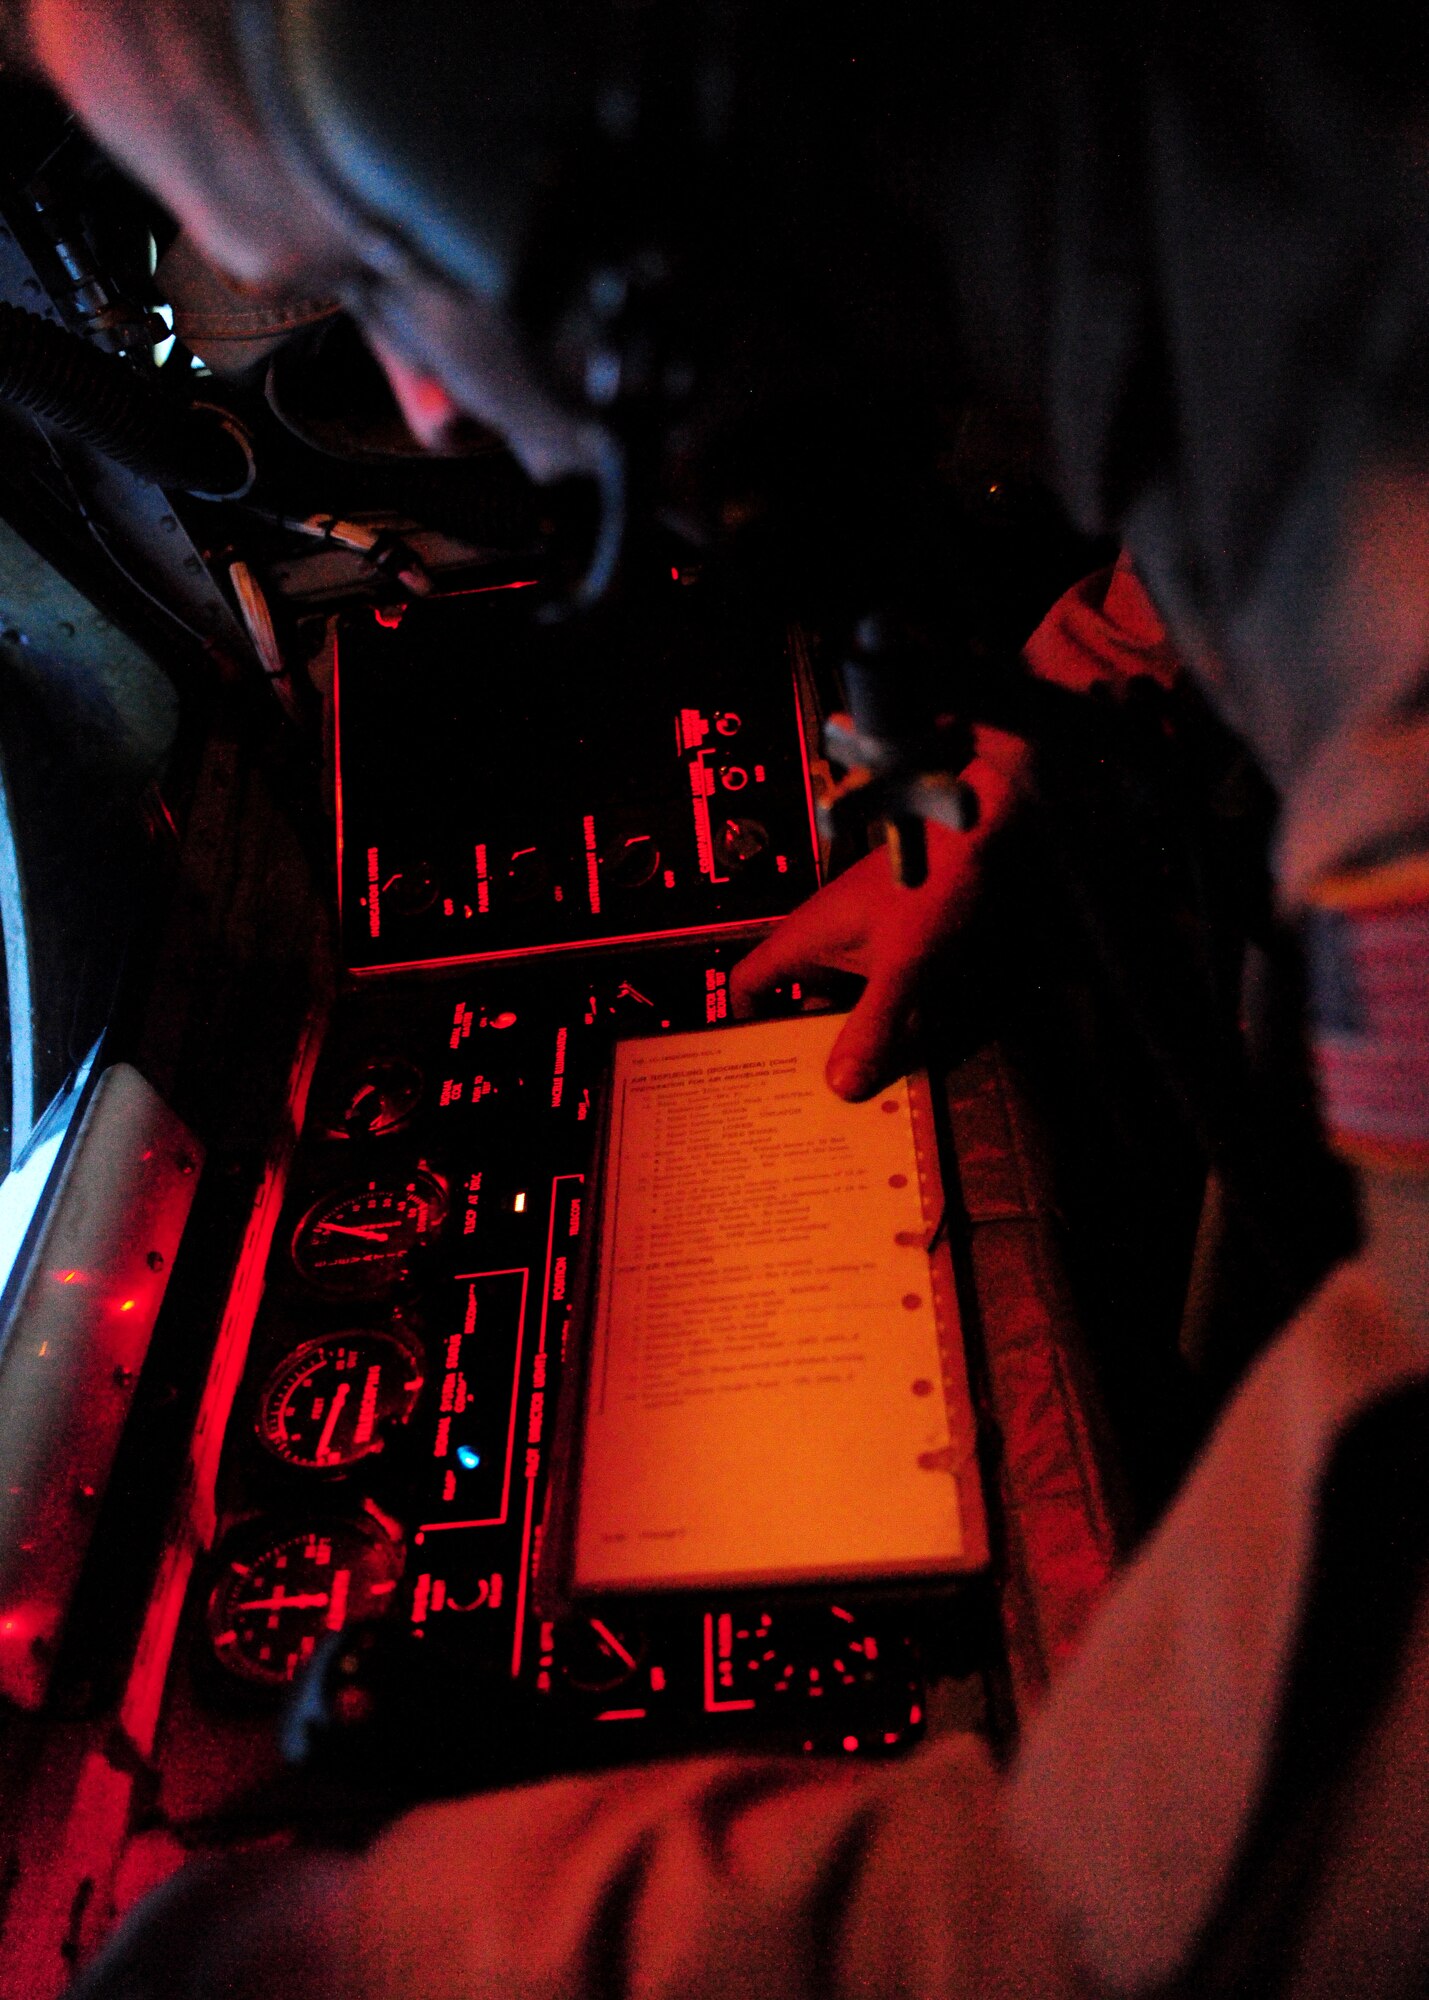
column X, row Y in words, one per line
column 527, row 876
column 360, row 1241
column 374, row 1100
column 336, row 1400
column 281, row 1593
column 738, row 842
column 411, row 890
column 596, row 1657
column 630, row 863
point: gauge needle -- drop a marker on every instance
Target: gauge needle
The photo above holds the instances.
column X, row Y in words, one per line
column 604, row 1632
column 334, row 1412
column 280, row 1601
column 337, row 1610
column 374, row 1232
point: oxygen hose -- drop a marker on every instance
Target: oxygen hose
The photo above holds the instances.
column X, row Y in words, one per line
column 66, row 383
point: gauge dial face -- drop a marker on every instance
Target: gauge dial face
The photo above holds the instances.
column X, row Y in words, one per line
column 408, row 891
column 597, row 1656
column 279, row 1596
column 737, row 842
column 336, row 1400
column 375, row 1099
column 631, row 862
column 360, row 1241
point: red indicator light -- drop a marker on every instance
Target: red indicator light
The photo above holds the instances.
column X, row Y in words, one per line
column 721, row 1677
column 850, row 1743
column 674, row 574
column 592, row 869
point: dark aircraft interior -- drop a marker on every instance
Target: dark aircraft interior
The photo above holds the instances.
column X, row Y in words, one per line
column 335, row 852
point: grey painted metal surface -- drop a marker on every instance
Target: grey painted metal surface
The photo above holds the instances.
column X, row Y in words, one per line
column 135, row 524
column 76, row 1341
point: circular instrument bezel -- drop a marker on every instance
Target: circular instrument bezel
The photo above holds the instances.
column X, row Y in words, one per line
column 398, row 1084
column 596, row 1656
column 386, row 1268
column 334, row 1454
column 368, row 1557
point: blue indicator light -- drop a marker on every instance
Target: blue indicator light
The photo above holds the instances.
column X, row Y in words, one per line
column 467, row 1457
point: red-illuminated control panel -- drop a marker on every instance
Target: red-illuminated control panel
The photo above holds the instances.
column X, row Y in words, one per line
column 507, row 786
column 391, row 1442
column 549, row 837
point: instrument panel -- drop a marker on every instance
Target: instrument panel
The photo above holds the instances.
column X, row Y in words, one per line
column 558, row 786
column 391, row 1448
column 390, row 1453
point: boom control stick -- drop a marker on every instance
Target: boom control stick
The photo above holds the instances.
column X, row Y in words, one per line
column 900, row 762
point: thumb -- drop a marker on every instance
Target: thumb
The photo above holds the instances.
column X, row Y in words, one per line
column 872, row 1043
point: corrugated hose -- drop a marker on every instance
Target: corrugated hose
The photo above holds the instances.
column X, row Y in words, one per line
column 72, row 386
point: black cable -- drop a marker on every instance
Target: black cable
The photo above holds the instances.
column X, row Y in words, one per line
column 72, row 386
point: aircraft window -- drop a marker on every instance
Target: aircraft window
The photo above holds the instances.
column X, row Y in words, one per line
column 31, row 1130
column 25, row 1185
column 18, row 1082
column 87, row 721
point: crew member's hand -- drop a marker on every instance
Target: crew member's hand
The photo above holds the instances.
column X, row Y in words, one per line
column 866, row 923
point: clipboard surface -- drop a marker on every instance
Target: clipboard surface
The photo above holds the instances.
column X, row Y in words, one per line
column 773, row 1390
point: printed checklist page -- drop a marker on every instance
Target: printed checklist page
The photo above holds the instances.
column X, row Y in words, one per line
column 776, row 1388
